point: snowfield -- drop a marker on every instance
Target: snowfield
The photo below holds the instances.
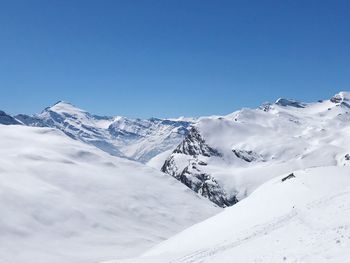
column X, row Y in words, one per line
column 64, row 201
column 304, row 218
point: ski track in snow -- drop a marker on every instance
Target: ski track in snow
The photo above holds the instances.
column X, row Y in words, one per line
column 64, row 201
column 257, row 231
column 295, row 215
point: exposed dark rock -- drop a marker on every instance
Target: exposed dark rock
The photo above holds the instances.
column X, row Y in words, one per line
column 205, row 185
column 195, row 145
column 265, row 106
column 336, row 99
column 340, row 97
column 248, row 156
column 345, row 104
column 191, row 175
column 169, row 167
column 290, row 176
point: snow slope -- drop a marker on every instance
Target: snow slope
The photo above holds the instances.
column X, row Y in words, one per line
column 64, row 201
column 251, row 146
column 135, row 139
column 302, row 218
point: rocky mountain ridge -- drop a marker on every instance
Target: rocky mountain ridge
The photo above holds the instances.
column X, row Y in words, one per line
column 134, row 139
column 224, row 158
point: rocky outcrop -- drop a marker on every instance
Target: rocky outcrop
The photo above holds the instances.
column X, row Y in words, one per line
column 248, row 156
column 205, row 185
column 192, row 173
column 195, row 145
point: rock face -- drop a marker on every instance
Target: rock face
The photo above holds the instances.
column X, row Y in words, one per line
column 195, row 145
column 341, row 99
column 342, row 96
column 7, row 119
column 248, row 156
column 190, row 170
column 205, row 185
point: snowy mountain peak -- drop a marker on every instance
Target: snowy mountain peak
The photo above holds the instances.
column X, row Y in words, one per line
column 137, row 139
column 187, row 164
column 257, row 144
column 64, row 107
column 341, row 97
column 194, row 144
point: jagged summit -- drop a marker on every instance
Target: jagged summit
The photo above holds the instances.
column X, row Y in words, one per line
column 195, row 145
column 341, row 97
column 187, row 164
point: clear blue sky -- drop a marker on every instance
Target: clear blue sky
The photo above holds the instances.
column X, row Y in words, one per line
column 170, row 58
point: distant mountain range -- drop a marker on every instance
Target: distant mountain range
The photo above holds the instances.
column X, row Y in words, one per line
column 134, row 139
column 76, row 187
column 223, row 158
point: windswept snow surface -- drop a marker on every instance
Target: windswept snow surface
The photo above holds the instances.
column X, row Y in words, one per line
column 301, row 219
column 64, row 201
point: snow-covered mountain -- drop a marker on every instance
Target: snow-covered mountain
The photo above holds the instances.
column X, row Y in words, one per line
column 299, row 217
column 135, row 139
column 62, row 200
column 65, row 200
column 6, row 119
column 225, row 158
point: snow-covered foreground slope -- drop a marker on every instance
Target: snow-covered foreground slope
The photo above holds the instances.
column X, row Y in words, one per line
column 135, row 139
column 226, row 158
column 65, row 201
column 300, row 218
